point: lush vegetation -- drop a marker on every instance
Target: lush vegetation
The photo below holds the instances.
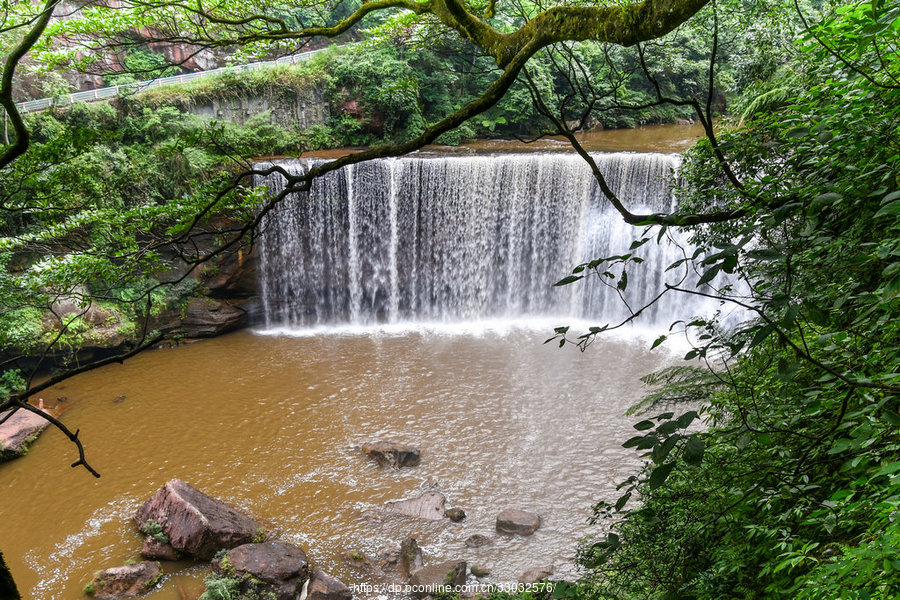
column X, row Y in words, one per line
column 791, row 489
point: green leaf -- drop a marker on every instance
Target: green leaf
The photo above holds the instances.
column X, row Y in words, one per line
column 762, row 333
column 709, row 275
column 633, row 442
column 827, row 198
column 667, row 427
column 693, row 450
column 659, row 475
column 764, row 254
column 687, row 418
column 622, row 501
column 658, row 341
column 892, row 208
column 895, row 195
column 644, row 425
column 568, row 279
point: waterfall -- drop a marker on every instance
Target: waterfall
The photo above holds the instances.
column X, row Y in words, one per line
column 462, row 238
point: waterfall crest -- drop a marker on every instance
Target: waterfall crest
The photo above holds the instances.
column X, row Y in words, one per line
column 459, row 239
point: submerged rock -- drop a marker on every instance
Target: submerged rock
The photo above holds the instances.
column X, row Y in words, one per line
column 273, row 569
column 323, row 586
column 479, row 571
column 434, row 580
column 393, row 454
column 429, row 505
column 194, row 523
column 19, row 430
column 536, row 574
column 478, row 541
column 129, row 581
column 519, row 522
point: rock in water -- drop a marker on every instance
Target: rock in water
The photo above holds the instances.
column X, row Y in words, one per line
column 19, row 431
column 429, row 505
column 196, row 525
column 518, row 522
column 479, row 571
column 129, row 581
column 273, row 569
column 478, row 541
column 434, row 580
column 536, row 574
column 154, row 549
column 455, row 514
column 323, row 586
column 393, row 454
column 410, row 556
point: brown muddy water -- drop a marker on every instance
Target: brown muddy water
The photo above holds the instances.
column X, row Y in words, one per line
column 272, row 424
column 649, row 138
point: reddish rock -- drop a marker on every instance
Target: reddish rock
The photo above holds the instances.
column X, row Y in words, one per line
column 19, row 431
column 439, row 579
column 518, row 522
column 393, row 454
column 235, row 274
column 323, row 586
column 429, row 505
column 129, row 581
column 273, row 569
column 205, row 317
column 154, row 549
column 196, row 524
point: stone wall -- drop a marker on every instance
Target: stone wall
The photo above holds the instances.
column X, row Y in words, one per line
column 301, row 109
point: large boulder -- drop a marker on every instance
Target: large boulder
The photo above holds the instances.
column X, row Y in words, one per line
column 429, row 505
column 129, row 581
column 273, row 569
column 438, row 579
column 393, row 454
column 18, row 431
column 323, row 586
column 194, row 523
column 519, row 522
column 201, row 317
column 205, row 317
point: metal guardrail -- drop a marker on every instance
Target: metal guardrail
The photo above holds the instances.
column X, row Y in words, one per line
column 112, row 92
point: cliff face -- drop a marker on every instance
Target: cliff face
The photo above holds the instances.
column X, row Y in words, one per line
column 301, row 108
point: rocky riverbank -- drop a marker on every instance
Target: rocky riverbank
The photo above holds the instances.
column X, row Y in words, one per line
column 181, row 523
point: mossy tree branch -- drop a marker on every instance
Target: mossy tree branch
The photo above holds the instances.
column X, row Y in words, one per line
column 23, row 137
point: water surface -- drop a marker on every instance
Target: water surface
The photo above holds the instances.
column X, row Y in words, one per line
column 272, row 424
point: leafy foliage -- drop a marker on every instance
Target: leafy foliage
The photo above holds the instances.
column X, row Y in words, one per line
column 792, row 489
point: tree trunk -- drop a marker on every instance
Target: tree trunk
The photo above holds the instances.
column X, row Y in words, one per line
column 7, row 585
